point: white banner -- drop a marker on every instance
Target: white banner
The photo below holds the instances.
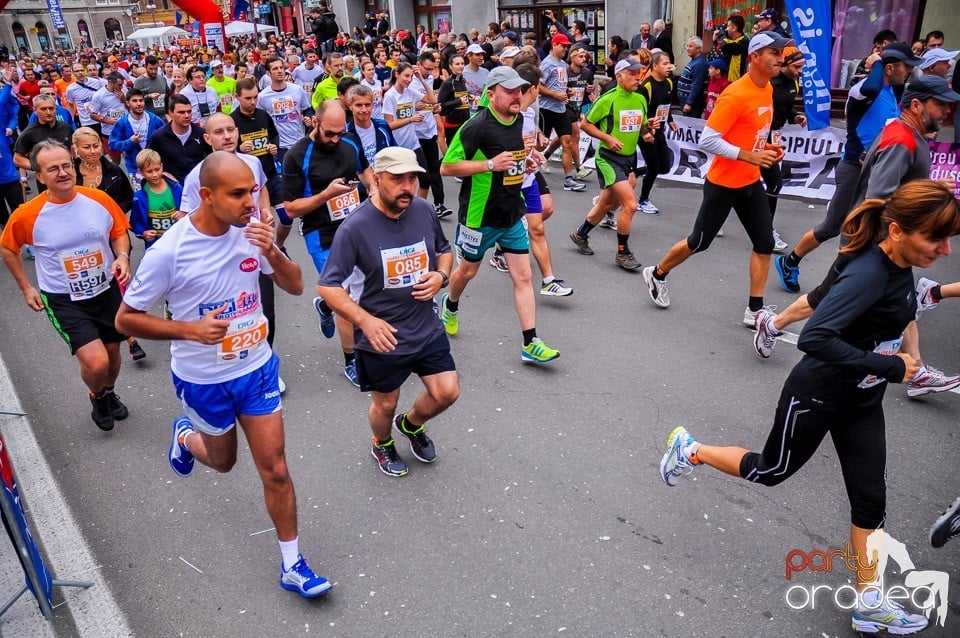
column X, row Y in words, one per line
column 213, row 35
column 808, row 163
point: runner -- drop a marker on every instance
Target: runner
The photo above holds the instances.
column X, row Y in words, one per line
column 871, row 103
column 427, row 130
column 79, row 270
column 400, row 250
column 617, row 120
column 180, row 143
column 580, row 89
column 851, row 350
column 289, row 107
column 553, row 108
column 203, row 99
column 786, row 86
column 306, row 75
column 259, row 137
column 133, row 130
column 899, row 155
column 46, row 128
column 156, row 206
column 207, row 267
column 224, row 86
column 326, row 89
column 737, row 134
column 657, row 90
column 81, row 92
column 369, row 133
column 106, row 108
column 488, row 153
column 155, row 87
column 325, row 178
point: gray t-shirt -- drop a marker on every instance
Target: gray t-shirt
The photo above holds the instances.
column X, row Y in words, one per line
column 157, row 106
column 555, row 79
column 475, row 80
column 391, row 256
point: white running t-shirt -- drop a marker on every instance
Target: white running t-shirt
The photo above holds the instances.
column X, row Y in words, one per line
column 197, row 273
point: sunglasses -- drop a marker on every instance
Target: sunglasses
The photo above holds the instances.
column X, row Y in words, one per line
column 332, row 134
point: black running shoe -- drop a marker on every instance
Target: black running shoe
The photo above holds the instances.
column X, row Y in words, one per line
column 947, row 526
column 117, row 408
column 102, row 413
column 388, row 459
column 136, row 352
column 420, row 444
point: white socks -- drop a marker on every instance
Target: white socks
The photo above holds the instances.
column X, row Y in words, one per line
column 290, row 550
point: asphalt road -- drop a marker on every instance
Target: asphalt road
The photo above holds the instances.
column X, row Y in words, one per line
column 544, row 513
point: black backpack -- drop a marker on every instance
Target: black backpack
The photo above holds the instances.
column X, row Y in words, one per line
column 328, row 26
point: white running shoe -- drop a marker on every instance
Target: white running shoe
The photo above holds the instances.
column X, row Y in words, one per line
column 582, row 173
column 657, row 288
column 556, row 288
column 925, row 300
column 546, row 168
column 766, row 336
column 646, row 206
column 750, row 317
column 609, row 221
column 928, row 380
column 889, row 616
column 779, row 246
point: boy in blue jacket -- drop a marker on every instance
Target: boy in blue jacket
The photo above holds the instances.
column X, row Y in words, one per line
column 156, row 206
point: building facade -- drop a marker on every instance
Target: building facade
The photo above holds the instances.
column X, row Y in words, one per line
column 29, row 26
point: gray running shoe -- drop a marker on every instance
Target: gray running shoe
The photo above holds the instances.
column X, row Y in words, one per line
column 583, row 244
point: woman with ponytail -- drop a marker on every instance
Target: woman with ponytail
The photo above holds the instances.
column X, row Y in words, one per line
column 851, row 349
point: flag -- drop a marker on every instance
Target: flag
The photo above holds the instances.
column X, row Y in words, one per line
column 179, row 17
column 240, row 6
column 811, row 24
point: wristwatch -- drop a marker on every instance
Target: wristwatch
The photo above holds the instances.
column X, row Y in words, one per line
column 489, row 165
column 446, row 279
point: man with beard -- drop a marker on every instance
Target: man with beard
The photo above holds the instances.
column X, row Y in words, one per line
column 489, row 154
column 155, row 88
column 325, row 178
column 900, row 154
column 395, row 242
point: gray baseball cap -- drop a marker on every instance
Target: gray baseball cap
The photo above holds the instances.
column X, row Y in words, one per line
column 506, row 77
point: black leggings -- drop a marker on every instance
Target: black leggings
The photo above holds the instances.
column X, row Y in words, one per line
column 656, row 155
column 847, row 178
column 773, row 180
column 750, row 203
column 11, row 196
column 858, row 436
column 431, row 155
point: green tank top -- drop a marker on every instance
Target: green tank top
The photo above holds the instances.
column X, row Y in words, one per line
column 160, row 209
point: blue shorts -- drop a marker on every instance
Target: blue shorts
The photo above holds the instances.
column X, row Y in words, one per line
column 386, row 372
column 318, row 254
column 531, row 198
column 475, row 242
column 213, row 408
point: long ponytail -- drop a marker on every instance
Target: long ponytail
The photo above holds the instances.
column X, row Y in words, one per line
column 922, row 206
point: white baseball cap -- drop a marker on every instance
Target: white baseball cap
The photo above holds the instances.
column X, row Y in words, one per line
column 932, row 56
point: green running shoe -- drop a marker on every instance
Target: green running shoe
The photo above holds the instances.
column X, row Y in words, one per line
column 538, row 352
column 451, row 320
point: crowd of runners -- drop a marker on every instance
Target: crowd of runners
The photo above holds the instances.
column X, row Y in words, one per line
column 211, row 175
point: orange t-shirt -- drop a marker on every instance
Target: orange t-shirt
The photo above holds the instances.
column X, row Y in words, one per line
column 743, row 115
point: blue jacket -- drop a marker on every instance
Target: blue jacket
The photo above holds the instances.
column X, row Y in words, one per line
column 123, row 131
column 139, row 218
column 384, row 136
column 8, row 170
column 9, row 110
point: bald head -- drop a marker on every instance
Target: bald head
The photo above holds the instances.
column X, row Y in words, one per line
column 220, row 168
column 218, row 118
column 332, row 119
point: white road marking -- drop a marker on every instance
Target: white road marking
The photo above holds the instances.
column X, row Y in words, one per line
column 94, row 610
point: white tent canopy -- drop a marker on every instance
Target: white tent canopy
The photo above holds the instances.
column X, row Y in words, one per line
column 157, row 36
column 245, row 28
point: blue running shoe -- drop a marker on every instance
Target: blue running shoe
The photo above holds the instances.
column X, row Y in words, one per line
column 947, row 526
column 889, row 616
column 350, row 372
column 675, row 463
column 302, row 580
column 789, row 275
column 181, row 460
column 328, row 327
